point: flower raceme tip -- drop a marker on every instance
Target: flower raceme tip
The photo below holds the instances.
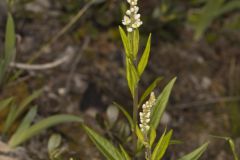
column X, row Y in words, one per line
column 132, row 18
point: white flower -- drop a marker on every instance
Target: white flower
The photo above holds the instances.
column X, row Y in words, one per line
column 146, row 113
column 132, row 9
column 136, row 9
column 128, row 12
column 129, row 29
column 132, row 18
column 137, row 16
column 126, row 20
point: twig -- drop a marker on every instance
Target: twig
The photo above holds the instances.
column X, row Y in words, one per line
column 207, row 102
column 45, row 66
column 62, row 31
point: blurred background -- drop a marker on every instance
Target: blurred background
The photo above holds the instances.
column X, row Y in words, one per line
column 75, row 54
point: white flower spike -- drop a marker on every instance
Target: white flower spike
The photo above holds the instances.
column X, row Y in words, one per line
column 145, row 115
column 132, row 18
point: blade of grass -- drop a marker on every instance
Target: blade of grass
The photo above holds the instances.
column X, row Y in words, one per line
column 5, row 103
column 15, row 113
column 25, row 124
column 105, row 147
column 40, row 126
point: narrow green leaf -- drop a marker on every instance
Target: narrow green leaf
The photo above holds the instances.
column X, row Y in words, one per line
column 104, row 146
column 196, row 154
column 9, row 48
column 40, row 126
column 124, row 153
column 140, row 135
column 160, row 104
column 126, row 114
column 132, row 75
column 28, row 119
column 205, row 17
column 150, row 89
column 10, row 39
column 10, row 118
column 144, row 59
column 5, row 103
column 233, row 148
column 139, row 146
column 231, row 144
column 152, row 136
column 23, row 105
column 135, row 42
column 230, row 6
column 125, row 41
column 14, row 114
column 162, row 146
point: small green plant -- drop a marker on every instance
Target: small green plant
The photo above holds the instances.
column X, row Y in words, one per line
column 212, row 10
column 16, row 110
column 15, row 136
column 143, row 133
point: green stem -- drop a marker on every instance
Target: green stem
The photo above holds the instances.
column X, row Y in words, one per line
column 135, row 96
column 148, row 152
column 135, row 113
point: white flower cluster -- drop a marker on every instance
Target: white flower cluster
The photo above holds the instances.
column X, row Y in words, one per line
column 146, row 113
column 132, row 18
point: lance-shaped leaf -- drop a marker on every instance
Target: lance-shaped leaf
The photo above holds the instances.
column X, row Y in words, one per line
column 40, row 126
column 152, row 136
column 139, row 134
column 140, row 140
column 196, row 154
column 5, row 103
column 125, row 41
column 212, row 10
column 135, row 42
column 104, row 146
column 132, row 75
column 144, row 59
column 9, row 47
column 10, row 39
column 124, row 153
column 160, row 104
column 149, row 89
column 16, row 111
column 26, row 122
column 162, row 146
column 126, row 114
column 229, row 6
